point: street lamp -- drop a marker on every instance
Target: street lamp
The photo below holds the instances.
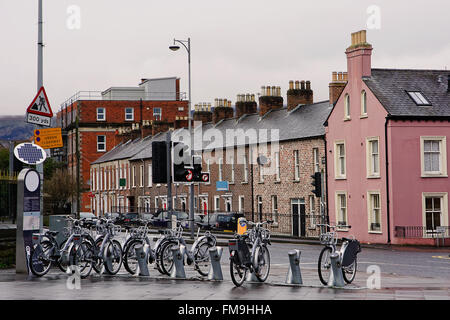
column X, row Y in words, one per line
column 175, row 47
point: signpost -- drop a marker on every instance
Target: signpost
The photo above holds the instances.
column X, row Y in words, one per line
column 39, row 111
column 48, row 138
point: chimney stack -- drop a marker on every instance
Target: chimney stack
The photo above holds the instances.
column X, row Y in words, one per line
column 146, row 129
column 223, row 110
column 359, row 56
column 245, row 104
column 203, row 113
column 337, row 84
column 303, row 95
column 270, row 100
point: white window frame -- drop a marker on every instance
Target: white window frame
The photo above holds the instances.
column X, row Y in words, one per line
column 274, row 200
column 216, row 203
column 241, row 204
column 128, row 113
column 312, row 212
column 101, row 143
column 101, row 116
column 371, row 213
column 150, row 176
column 370, row 172
column 337, row 162
column 261, row 174
column 259, row 201
column 220, row 169
column 363, row 104
column 208, row 164
column 346, row 107
column 442, row 156
column 232, row 169
column 296, row 166
column 338, row 208
column 245, row 169
column 316, row 161
column 159, row 114
column 141, row 176
column 277, row 167
column 444, row 209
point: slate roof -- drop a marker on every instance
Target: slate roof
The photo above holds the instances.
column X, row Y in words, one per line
column 305, row 121
column 390, row 86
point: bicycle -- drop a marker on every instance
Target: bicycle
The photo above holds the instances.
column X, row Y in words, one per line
column 46, row 251
column 108, row 251
column 197, row 255
column 256, row 260
column 347, row 254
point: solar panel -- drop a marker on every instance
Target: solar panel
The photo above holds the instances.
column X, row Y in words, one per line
column 30, row 153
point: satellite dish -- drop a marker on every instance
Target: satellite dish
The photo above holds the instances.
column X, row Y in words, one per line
column 262, row 160
column 30, row 153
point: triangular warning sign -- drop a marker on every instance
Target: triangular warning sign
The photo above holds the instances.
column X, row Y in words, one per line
column 40, row 104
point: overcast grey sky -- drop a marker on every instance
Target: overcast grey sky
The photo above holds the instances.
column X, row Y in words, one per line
column 237, row 46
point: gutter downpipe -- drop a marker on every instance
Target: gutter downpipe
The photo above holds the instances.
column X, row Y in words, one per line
column 387, row 179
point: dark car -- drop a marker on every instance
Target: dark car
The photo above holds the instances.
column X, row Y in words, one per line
column 162, row 219
column 129, row 218
column 227, row 221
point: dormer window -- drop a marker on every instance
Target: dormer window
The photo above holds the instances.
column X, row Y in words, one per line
column 419, row 98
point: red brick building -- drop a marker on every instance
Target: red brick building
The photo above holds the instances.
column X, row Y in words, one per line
column 95, row 118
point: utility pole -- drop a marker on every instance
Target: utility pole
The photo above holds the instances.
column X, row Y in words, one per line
column 40, row 83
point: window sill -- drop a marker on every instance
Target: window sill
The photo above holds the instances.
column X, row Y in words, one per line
column 364, row 116
column 340, row 178
column 260, row 182
column 275, row 225
column 437, row 175
column 343, row 230
column 296, row 180
column 244, row 182
column 376, row 232
column 346, row 119
column 373, row 177
column 277, row 182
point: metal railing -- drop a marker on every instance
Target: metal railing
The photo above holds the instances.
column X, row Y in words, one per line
column 422, row 232
column 102, row 95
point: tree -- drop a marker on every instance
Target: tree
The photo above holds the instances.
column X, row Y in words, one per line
column 58, row 190
column 4, row 159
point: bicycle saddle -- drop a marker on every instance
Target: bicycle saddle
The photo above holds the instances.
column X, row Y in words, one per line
column 52, row 233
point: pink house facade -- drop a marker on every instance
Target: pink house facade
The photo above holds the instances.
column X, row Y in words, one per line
column 387, row 152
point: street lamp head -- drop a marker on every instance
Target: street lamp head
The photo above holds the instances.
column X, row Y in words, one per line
column 174, row 48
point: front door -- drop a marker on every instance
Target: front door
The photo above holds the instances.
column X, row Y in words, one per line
column 298, row 217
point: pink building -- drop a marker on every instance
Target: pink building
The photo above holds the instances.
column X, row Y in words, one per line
column 387, row 151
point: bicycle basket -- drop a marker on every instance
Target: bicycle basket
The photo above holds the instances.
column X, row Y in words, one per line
column 243, row 251
column 352, row 249
column 326, row 238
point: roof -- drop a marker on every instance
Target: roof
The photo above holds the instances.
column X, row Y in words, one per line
column 305, row 121
column 390, row 86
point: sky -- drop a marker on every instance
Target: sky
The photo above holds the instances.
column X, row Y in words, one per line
column 236, row 46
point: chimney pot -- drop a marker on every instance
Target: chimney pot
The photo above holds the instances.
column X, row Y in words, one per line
column 297, row 84
column 253, row 97
column 302, row 84
column 291, row 84
column 308, row 85
column 334, row 76
column 268, row 91
column 263, row 90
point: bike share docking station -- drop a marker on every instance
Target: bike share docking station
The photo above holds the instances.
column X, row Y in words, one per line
column 294, row 275
column 215, row 269
column 142, row 257
column 178, row 262
column 336, row 279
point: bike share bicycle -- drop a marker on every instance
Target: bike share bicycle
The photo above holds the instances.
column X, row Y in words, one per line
column 73, row 251
column 197, row 255
column 108, row 251
column 139, row 236
column 347, row 254
column 249, row 252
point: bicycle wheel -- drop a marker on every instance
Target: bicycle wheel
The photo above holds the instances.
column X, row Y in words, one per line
column 157, row 255
column 262, row 263
column 130, row 260
column 349, row 272
column 166, row 257
column 201, row 258
column 113, row 253
column 324, row 265
column 62, row 265
column 238, row 272
column 97, row 260
column 82, row 258
column 40, row 262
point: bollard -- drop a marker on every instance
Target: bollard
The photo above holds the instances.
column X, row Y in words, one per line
column 178, row 262
column 336, row 278
column 294, row 275
column 215, row 269
column 141, row 255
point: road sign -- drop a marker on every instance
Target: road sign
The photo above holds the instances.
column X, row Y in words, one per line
column 30, row 153
column 205, row 176
column 48, row 138
column 221, row 185
column 39, row 112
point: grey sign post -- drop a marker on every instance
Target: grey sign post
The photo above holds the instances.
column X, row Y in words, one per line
column 28, row 216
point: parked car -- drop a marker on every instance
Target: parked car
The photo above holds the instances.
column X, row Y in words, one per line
column 129, row 218
column 112, row 215
column 227, row 221
column 162, row 219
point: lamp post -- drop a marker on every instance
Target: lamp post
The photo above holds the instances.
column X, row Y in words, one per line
column 175, row 47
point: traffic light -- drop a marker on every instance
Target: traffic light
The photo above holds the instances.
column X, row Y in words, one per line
column 183, row 170
column 317, row 183
column 159, row 162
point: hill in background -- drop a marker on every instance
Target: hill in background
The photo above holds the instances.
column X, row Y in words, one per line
column 15, row 128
